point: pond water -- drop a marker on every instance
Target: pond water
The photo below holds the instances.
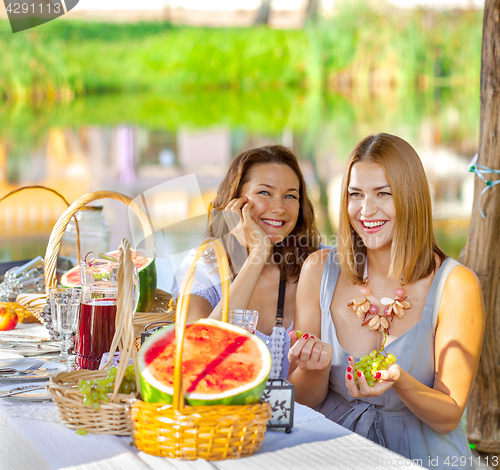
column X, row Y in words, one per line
column 173, row 151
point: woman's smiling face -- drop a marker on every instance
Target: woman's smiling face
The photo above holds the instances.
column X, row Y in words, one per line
column 274, row 191
column 371, row 207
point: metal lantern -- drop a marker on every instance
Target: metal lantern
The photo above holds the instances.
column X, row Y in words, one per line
column 281, row 395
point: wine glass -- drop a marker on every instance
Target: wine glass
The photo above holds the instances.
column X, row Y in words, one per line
column 65, row 308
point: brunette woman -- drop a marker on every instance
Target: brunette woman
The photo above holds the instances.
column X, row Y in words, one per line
column 263, row 216
column 386, row 253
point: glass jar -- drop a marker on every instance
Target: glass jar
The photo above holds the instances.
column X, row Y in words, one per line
column 94, row 236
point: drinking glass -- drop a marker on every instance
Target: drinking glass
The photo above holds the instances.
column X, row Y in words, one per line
column 65, row 307
column 244, row 318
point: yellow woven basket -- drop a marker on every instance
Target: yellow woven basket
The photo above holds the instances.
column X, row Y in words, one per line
column 111, row 417
column 27, row 313
column 198, row 432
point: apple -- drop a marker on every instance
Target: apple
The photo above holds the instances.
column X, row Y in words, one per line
column 8, row 319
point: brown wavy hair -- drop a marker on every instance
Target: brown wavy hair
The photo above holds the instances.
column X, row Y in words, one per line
column 414, row 246
column 288, row 254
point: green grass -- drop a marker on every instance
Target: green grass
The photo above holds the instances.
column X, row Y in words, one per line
column 411, row 50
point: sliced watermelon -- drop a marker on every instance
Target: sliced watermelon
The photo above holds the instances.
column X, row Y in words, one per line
column 147, row 278
column 221, row 364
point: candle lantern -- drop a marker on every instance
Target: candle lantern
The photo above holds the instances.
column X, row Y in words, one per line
column 149, row 330
column 280, row 394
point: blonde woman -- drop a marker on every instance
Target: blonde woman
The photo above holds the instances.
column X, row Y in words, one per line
column 387, row 252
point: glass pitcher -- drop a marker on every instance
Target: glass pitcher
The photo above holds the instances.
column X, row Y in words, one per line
column 96, row 323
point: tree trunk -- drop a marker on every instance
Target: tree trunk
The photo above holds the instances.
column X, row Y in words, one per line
column 312, row 11
column 263, row 13
column 482, row 252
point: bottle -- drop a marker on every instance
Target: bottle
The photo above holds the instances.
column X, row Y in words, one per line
column 94, row 236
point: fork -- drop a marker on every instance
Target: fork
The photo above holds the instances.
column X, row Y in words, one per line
column 33, row 368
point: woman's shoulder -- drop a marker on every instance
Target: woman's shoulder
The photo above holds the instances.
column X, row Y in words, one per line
column 462, row 293
column 460, row 278
column 316, row 261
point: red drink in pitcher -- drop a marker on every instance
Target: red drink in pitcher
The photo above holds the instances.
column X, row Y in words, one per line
column 96, row 327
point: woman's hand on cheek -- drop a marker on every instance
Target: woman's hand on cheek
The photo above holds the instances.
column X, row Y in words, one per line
column 243, row 227
column 384, row 379
column 310, row 353
column 256, row 239
column 234, row 218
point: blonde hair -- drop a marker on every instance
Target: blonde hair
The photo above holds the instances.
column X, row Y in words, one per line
column 414, row 246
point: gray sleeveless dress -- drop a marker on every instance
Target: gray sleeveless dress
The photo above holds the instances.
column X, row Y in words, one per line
column 386, row 420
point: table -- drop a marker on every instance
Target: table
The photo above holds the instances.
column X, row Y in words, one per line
column 315, row 442
column 30, row 439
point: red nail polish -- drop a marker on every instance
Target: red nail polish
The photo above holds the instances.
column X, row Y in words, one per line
column 305, row 336
column 349, row 377
column 378, row 375
column 359, row 373
column 350, row 358
column 312, row 337
column 349, row 369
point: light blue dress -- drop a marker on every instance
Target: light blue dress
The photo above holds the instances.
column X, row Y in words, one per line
column 386, row 420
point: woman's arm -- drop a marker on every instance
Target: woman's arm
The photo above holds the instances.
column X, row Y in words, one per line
column 458, row 342
column 242, row 288
column 240, row 291
column 309, row 357
column 248, row 234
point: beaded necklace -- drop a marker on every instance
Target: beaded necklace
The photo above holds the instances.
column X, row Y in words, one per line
column 379, row 320
column 278, row 335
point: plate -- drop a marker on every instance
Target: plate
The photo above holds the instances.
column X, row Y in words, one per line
column 29, row 395
column 48, row 369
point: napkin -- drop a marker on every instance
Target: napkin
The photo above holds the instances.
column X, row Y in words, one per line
column 8, row 354
column 28, row 329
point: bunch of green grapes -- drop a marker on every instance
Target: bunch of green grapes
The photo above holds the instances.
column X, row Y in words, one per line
column 96, row 390
column 377, row 360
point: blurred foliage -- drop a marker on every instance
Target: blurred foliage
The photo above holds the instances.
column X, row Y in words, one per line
column 455, row 112
column 358, row 48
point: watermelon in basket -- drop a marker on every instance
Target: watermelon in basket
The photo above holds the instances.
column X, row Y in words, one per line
column 222, row 365
column 219, row 370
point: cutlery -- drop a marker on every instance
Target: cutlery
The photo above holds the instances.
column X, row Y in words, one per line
column 3, row 372
column 19, row 390
column 33, row 368
column 28, row 345
column 27, row 342
column 25, row 338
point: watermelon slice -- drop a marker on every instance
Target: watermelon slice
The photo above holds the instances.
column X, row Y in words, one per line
column 147, row 278
column 222, row 364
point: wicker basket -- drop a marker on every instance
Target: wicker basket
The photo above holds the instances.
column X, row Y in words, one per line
column 215, row 432
column 31, row 313
column 162, row 308
column 23, row 315
column 111, row 417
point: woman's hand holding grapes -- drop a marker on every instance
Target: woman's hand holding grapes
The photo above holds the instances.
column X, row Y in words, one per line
column 372, row 381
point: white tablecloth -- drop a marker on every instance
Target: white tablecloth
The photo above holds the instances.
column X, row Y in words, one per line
column 33, row 438
column 315, row 442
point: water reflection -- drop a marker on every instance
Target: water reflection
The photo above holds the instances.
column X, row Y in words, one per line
column 134, row 144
